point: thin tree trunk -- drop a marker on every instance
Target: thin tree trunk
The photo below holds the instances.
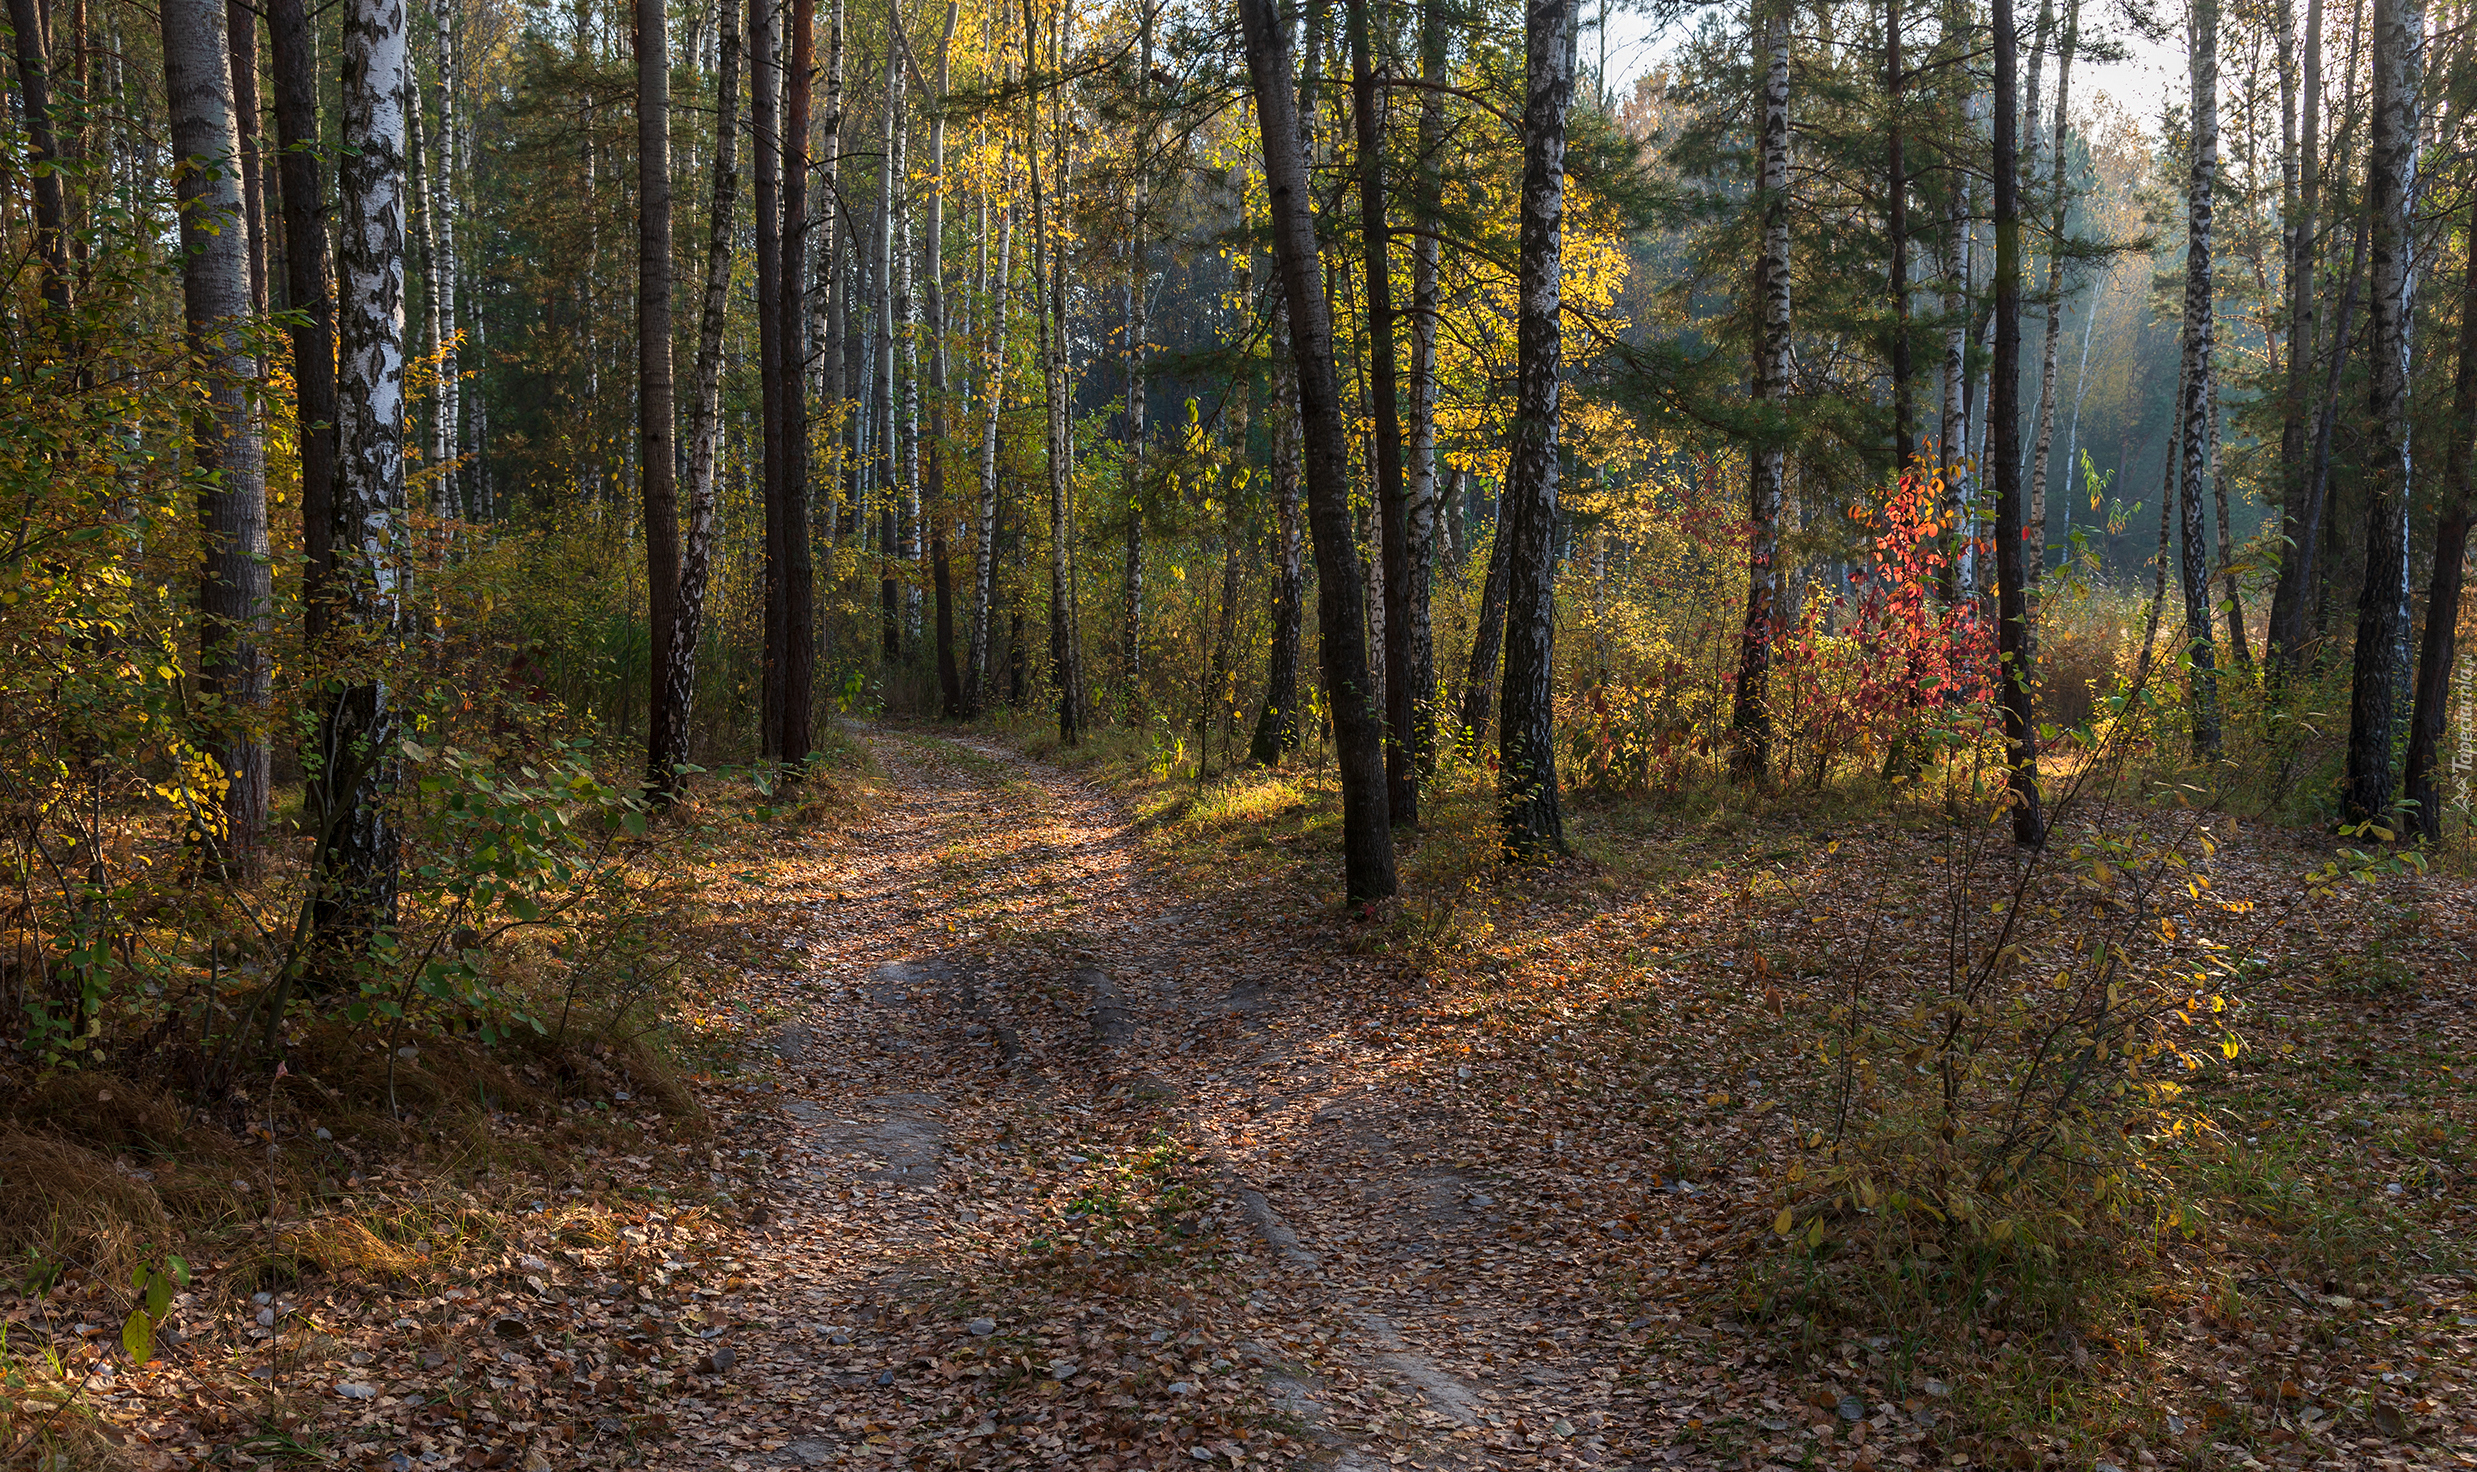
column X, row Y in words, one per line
column 1376, row 253
column 799, row 570
column 1131, row 634
column 705, row 415
column 1419, row 542
column 1533, row 822
column 2201, row 394
column 241, row 40
column 766, row 139
column 2300, row 513
column 666, row 727
column 1896, row 226
column 51, row 211
column 353, row 897
column 1952, row 449
column 1065, row 652
column 882, row 374
column 950, row 679
column 442, row 268
column 1367, row 836
column 225, row 441
column 2443, row 596
column 420, row 166
column 827, row 305
column 2167, row 522
column 308, row 295
column 985, row 580
column 2060, row 208
column 907, row 345
column 1487, row 640
column 2004, row 448
column 1277, row 726
column 1750, row 722
column 2382, row 607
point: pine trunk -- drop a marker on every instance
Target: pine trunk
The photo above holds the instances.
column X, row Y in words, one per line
column 765, row 124
column 1400, row 695
column 2442, row 604
column 227, row 448
column 799, row 580
column 51, row 210
column 1277, row 726
column 1750, row 721
column 2004, row 448
column 308, row 295
column 1367, row 837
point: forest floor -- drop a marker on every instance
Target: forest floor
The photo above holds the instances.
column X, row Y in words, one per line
column 1067, row 1120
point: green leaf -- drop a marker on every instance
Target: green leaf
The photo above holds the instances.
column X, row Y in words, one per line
column 158, row 1295
column 137, row 1336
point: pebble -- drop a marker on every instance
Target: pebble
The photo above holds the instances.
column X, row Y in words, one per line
column 355, row 1390
column 981, row 1328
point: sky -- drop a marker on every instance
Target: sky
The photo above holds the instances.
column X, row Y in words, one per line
column 2138, row 84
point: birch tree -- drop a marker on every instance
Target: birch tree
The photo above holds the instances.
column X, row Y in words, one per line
column 2200, row 378
column 666, row 727
column 1528, row 807
column 2300, row 520
column 354, row 892
column 2382, row 608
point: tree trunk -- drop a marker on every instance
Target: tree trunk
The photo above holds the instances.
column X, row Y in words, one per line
column 799, row 580
column 667, row 707
column 1952, row 450
column 2060, row 208
column 1750, row 722
column 2167, row 523
column 2201, row 391
column 1480, row 688
column 882, row 375
column 2004, row 448
column 442, row 268
column 705, row 415
column 1065, row 651
column 765, row 123
column 226, row 446
column 985, row 580
column 51, row 210
column 353, row 897
column 2382, row 607
column 2442, row 603
column 2300, row 514
column 1896, row 226
column 906, row 365
column 1367, row 836
column 827, row 306
column 1277, row 727
column 1399, row 693
column 1532, row 820
column 950, row 680
column 1131, row 634
column 241, row 41
column 307, row 294
column 1419, row 541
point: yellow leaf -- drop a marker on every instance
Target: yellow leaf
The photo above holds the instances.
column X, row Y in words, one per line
column 1785, row 1222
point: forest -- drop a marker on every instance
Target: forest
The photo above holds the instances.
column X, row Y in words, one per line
column 1318, row 733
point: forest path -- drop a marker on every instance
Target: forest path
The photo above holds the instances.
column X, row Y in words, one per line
column 1071, row 1169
